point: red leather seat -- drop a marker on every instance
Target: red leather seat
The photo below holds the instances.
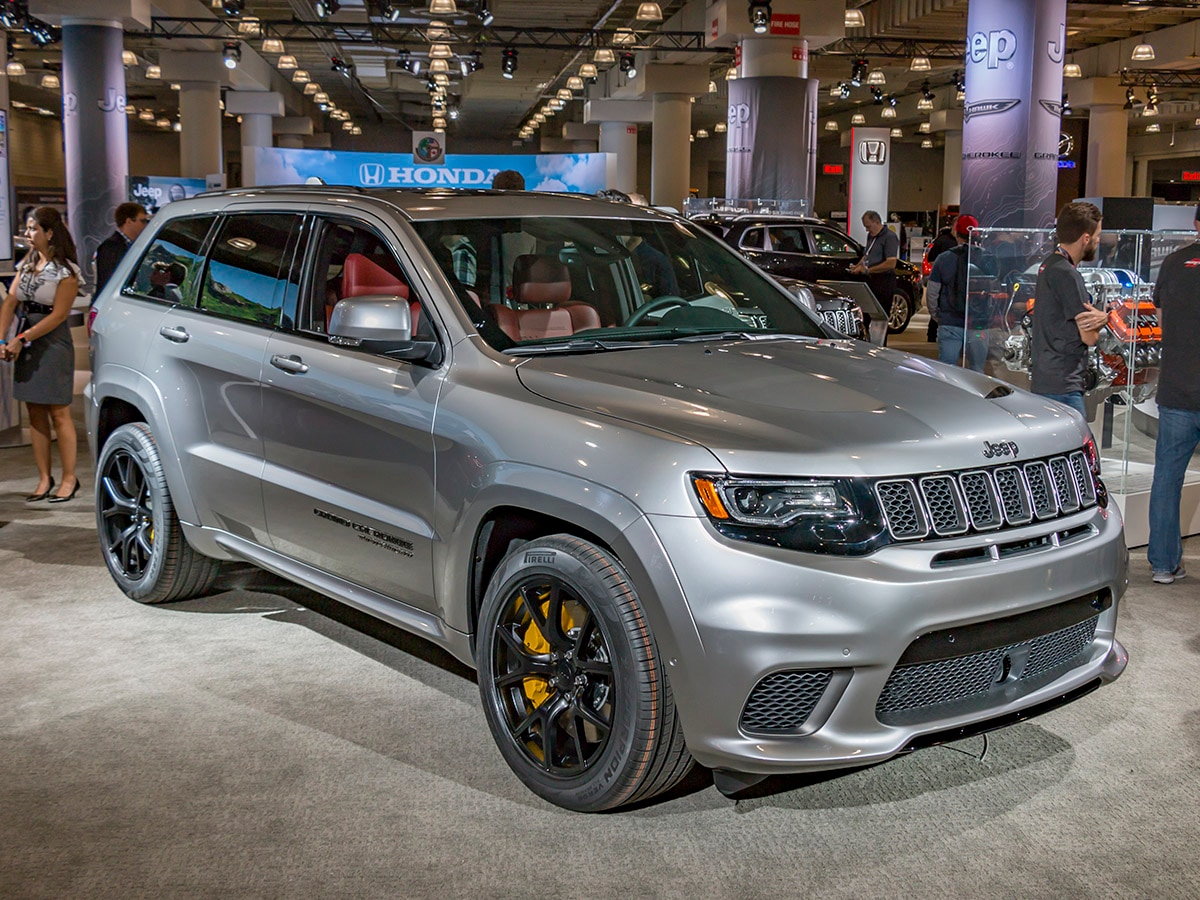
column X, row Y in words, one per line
column 546, row 282
column 363, row 278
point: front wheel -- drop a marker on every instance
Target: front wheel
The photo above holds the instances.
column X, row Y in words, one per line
column 140, row 537
column 573, row 687
column 900, row 312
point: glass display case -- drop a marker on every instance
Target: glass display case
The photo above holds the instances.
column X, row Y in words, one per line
column 1122, row 372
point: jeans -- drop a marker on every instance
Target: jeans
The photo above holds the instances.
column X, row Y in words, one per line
column 1073, row 400
column 950, row 340
column 1178, row 435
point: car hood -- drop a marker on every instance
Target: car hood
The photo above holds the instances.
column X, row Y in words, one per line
column 845, row 406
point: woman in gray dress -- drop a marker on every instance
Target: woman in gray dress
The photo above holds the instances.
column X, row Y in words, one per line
column 40, row 300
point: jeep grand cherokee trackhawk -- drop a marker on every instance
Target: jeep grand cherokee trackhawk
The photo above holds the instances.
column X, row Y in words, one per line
column 665, row 513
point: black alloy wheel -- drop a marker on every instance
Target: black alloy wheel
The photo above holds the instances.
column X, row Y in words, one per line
column 573, row 687
column 141, row 539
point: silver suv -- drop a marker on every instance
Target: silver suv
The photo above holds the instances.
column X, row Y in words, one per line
column 665, row 513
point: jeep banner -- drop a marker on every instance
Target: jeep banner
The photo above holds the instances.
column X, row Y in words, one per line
column 1011, row 118
column 574, row 173
column 771, row 149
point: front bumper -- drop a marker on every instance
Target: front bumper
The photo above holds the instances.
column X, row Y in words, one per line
column 757, row 611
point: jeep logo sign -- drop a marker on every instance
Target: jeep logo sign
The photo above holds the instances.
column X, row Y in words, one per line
column 872, row 153
column 995, row 47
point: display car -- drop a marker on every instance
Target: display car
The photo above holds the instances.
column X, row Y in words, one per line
column 665, row 512
column 810, row 249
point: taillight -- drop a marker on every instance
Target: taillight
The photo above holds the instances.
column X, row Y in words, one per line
column 91, row 317
column 926, row 265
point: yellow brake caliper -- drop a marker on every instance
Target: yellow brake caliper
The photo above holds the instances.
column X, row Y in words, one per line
column 537, row 688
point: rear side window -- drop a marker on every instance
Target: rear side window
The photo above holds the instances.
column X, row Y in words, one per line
column 171, row 267
column 247, row 267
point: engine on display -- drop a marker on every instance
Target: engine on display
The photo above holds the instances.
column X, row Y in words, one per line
column 1126, row 356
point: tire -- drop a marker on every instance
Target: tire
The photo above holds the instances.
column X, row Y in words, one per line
column 581, row 710
column 900, row 312
column 140, row 537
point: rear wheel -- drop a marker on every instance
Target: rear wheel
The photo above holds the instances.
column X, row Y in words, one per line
column 140, row 536
column 900, row 312
column 573, row 687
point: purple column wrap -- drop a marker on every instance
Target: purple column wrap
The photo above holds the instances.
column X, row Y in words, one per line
column 1011, row 119
column 771, row 151
column 95, row 133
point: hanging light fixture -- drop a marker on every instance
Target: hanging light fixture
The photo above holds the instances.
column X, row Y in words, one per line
column 701, row 133
column 437, row 31
column 178, row 126
column 649, row 12
column 439, row 122
column 14, row 69
column 920, row 64
column 1153, row 128
column 927, row 144
column 896, row 133
column 1072, row 70
column 858, row 119
column 924, row 104
column 153, row 72
column 712, row 87
column 439, row 65
column 604, row 55
column 925, row 128
column 588, row 70
column 250, row 27
column 508, row 62
column 287, row 62
column 311, row 88
column 574, row 83
column 164, row 122
column 628, row 65
column 855, row 19
column 563, row 94
column 440, row 51
column 443, row 7
column 731, row 73
column 876, row 76
column 888, row 112
column 51, row 82
column 1143, row 52
column 831, row 125
column 146, row 115
column 624, row 36
column 232, row 54
column 720, row 128
column 128, row 58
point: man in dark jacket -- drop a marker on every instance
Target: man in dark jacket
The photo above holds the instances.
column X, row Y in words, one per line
column 947, row 293
column 944, row 241
column 130, row 219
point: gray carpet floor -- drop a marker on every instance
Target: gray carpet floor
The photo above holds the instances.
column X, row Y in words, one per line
column 264, row 742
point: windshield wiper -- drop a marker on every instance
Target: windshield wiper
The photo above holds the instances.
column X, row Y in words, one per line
column 578, row 345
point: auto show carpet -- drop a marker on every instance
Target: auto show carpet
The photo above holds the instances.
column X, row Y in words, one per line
column 264, row 742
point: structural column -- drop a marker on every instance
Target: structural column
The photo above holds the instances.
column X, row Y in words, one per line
column 1108, row 135
column 258, row 109
column 95, row 133
column 671, row 151
column 200, row 121
column 952, row 169
column 620, row 139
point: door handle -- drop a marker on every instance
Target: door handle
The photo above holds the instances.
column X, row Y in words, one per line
column 293, row 364
column 175, row 333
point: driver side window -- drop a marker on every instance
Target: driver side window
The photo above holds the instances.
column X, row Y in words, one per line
column 833, row 243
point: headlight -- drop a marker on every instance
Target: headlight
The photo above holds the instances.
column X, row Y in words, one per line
column 818, row 515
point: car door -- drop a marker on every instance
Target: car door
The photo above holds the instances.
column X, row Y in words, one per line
column 831, row 253
column 208, row 356
column 348, row 434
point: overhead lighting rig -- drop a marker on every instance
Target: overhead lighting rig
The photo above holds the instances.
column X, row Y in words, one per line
column 760, row 15
column 508, row 62
column 858, row 72
column 628, row 65
column 232, row 54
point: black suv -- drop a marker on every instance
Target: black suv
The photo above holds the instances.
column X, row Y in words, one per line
column 812, row 250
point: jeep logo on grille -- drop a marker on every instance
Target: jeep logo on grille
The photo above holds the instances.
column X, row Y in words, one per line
column 1001, row 448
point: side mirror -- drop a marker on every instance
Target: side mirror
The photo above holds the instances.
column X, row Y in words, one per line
column 380, row 323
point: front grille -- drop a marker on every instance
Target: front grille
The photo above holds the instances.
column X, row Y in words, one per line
column 842, row 320
column 925, row 686
column 783, row 701
column 983, row 500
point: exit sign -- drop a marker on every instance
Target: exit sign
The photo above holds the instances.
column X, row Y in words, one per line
column 1191, row 176
column 837, row 169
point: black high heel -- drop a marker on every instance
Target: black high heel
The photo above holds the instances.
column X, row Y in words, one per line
column 70, row 496
column 34, row 498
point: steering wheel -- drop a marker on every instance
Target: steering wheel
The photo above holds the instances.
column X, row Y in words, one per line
column 664, row 302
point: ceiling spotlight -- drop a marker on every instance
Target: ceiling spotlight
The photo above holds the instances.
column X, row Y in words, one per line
column 443, row 7
column 485, row 15
column 128, row 58
column 876, row 76
column 232, row 54
column 877, row 96
column 628, row 65
column 858, row 72
column 356, row 130
column 760, row 15
column 340, row 66
column 1130, row 100
column 843, row 90
column 391, row 12
column 575, row 83
column 347, row 126
column 508, row 62
column 287, row 62
column 1066, row 105
column 960, row 83
column 855, row 19
column 920, row 64
column 858, row 119
column 1072, row 70
column 831, row 125
column 41, row 33
column 1143, row 52
column 233, row 7
column 720, row 128
column 588, row 70
column 1152, row 95
column 327, row 8
column 604, row 55
column 649, row 12
column 896, row 133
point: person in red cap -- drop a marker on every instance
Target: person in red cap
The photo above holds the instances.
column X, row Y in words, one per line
column 947, row 293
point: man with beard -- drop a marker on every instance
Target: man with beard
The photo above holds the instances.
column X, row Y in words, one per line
column 1065, row 323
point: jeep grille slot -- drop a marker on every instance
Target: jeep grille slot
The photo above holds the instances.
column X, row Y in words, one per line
column 841, row 320
column 783, row 701
column 985, row 500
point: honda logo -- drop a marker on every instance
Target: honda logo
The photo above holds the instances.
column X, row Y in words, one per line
column 872, row 153
column 371, row 174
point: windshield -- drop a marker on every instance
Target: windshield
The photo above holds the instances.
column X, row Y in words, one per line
column 556, row 284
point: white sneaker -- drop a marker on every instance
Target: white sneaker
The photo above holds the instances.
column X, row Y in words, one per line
column 1169, row 577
